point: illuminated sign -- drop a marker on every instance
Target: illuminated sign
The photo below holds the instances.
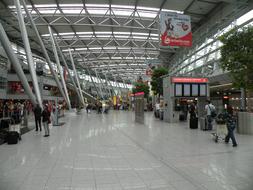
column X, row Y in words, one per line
column 188, row 80
column 139, row 93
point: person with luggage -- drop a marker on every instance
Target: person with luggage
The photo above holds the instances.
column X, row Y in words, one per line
column 231, row 123
column 37, row 114
column 193, row 116
column 210, row 114
column 46, row 120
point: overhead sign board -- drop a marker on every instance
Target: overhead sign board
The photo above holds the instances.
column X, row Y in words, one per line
column 175, row 29
column 188, row 80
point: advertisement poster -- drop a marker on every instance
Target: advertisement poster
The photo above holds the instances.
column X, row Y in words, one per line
column 175, row 29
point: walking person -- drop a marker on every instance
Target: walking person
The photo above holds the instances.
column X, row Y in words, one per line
column 210, row 110
column 46, row 120
column 37, row 114
column 231, row 123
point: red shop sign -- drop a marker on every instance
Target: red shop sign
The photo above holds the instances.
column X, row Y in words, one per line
column 188, row 80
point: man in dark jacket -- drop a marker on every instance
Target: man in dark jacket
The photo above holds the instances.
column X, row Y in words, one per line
column 37, row 114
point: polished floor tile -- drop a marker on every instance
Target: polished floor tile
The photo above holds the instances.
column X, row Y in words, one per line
column 112, row 152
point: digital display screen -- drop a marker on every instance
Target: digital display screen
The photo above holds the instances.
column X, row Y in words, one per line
column 178, row 90
column 202, row 90
column 195, row 89
column 187, row 90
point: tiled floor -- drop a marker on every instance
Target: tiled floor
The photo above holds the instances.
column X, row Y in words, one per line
column 112, row 152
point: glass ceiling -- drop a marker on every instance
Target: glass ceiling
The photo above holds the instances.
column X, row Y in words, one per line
column 131, row 43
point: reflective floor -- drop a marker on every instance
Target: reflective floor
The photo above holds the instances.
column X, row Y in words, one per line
column 112, row 152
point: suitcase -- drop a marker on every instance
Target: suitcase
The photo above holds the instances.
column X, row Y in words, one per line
column 203, row 124
column 12, row 137
column 16, row 127
column 182, row 117
column 194, row 123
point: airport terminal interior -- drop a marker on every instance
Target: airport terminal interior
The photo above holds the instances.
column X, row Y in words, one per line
column 126, row 95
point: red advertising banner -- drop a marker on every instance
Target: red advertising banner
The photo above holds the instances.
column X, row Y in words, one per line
column 139, row 93
column 188, row 80
column 175, row 29
column 65, row 74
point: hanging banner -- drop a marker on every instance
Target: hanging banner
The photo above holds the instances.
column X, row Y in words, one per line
column 175, row 29
column 65, row 74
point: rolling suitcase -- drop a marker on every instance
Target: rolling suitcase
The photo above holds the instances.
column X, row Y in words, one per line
column 194, row 123
column 12, row 137
column 182, row 117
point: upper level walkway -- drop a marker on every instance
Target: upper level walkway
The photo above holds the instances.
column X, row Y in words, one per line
column 112, row 152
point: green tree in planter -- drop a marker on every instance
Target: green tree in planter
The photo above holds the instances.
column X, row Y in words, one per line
column 237, row 56
column 141, row 87
column 157, row 81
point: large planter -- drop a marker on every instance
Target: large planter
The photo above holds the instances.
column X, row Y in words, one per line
column 245, row 123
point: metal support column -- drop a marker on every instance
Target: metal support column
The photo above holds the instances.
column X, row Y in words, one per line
column 80, row 94
column 59, row 67
column 43, row 49
column 28, row 52
column 76, row 76
column 14, row 61
column 108, row 87
column 103, row 86
column 101, row 92
column 117, row 85
column 87, row 69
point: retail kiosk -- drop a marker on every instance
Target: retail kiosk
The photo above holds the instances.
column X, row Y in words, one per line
column 175, row 88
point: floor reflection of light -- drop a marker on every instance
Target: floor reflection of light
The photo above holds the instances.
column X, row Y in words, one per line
column 52, row 149
column 68, row 142
column 23, row 160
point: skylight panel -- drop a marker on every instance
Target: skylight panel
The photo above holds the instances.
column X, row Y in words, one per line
column 43, row 5
column 85, row 36
column 245, row 18
column 97, row 5
column 80, row 33
column 123, row 36
column 123, row 12
column 71, row 11
column 140, row 37
column 148, row 8
column 147, row 14
column 122, row 6
column 121, row 33
column 47, row 11
column 71, row 5
column 110, row 48
column 175, row 11
column 97, row 11
column 109, row 32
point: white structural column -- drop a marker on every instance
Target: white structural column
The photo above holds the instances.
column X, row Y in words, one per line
column 44, row 50
column 79, row 94
column 103, row 86
column 76, row 76
column 116, row 83
column 28, row 52
column 14, row 61
column 99, row 85
column 107, row 85
column 59, row 67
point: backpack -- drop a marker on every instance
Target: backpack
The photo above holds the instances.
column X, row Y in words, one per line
column 213, row 112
